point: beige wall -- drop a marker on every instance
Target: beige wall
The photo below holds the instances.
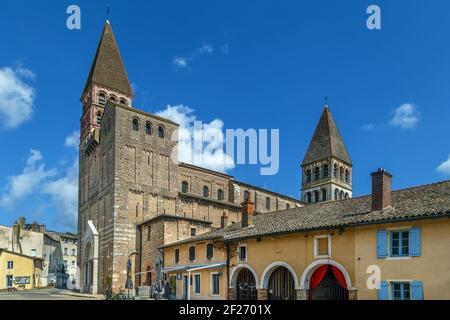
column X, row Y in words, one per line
column 353, row 251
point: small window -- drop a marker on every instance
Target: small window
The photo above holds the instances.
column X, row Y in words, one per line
column 33, row 252
column 347, row 176
column 161, row 132
column 308, row 197
column 148, row 128
column 209, row 251
column 101, row 99
column 73, row 263
column 268, row 203
column 184, row 187
column 123, row 101
column 137, row 210
column 113, row 98
column 215, row 281
column 177, row 255
column 10, row 265
column 192, row 253
column 401, row 290
column 341, row 195
column 193, row 232
column 74, row 252
column 316, row 173
column 135, row 124
column 335, row 170
column 399, row 243
column 206, row 191
column 325, row 171
column 243, row 253
column 308, row 175
column 316, row 196
column 220, row 195
column 246, row 195
column 149, row 233
column 197, row 284
column 99, row 118
column 322, row 246
column 324, row 195
column 66, row 251
column 341, row 173
column 336, row 194
column 288, row 206
column 347, row 195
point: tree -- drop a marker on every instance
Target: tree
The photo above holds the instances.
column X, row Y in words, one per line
column 230, row 249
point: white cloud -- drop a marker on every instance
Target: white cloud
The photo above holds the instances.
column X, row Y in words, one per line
column 16, row 97
column 29, row 181
column 206, row 49
column 406, row 116
column 199, row 143
column 60, row 185
column 181, row 62
column 444, row 167
column 368, row 127
column 72, row 141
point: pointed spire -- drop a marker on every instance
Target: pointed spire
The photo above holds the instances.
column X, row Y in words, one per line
column 326, row 141
column 108, row 69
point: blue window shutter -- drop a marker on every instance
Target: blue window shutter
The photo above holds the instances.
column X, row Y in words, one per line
column 414, row 242
column 416, row 290
column 383, row 292
column 382, row 248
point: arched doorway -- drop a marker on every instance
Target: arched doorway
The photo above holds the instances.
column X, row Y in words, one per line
column 327, row 283
column 89, row 266
column 246, row 285
column 281, row 285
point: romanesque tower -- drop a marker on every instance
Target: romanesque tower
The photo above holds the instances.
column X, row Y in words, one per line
column 326, row 167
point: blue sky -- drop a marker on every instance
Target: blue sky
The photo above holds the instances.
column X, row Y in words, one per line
column 248, row 64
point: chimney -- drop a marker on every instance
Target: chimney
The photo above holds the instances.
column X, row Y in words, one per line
column 43, row 228
column 247, row 213
column 381, row 189
column 224, row 220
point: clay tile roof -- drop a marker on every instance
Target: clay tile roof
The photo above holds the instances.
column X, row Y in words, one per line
column 420, row 202
column 326, row 141
column 107, row 68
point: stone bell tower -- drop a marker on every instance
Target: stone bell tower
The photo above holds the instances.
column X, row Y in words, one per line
column 107, row 80
column 326, row 167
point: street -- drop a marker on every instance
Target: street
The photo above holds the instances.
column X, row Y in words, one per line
column 46, row 294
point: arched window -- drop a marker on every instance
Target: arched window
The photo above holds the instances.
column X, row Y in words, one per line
column 99, row 117
column 148, row 128
column 341, row 195
column 316, row 196
column 347, row 176
column 184, row 187
column 316, row 173
column 123, row 101
column 268, row 203
column 347, row 195
column 308, row 175
column 220, row 195
column 206, row 191
column 336, row 194
column 288, row 206
column 101, row 99
column 335, row 170
column 135, row 124
column 324, row 195
column 325, row 171
column 341, row 173
column 113, row 98
column 161, row 132
column 308, row 197
column 246, row 195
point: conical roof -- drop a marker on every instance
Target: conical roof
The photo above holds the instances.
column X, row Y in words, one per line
column 108, row 68
column 326, row 141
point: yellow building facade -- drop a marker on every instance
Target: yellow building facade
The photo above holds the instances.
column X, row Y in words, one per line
column 386, row 246
column 19, row 271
